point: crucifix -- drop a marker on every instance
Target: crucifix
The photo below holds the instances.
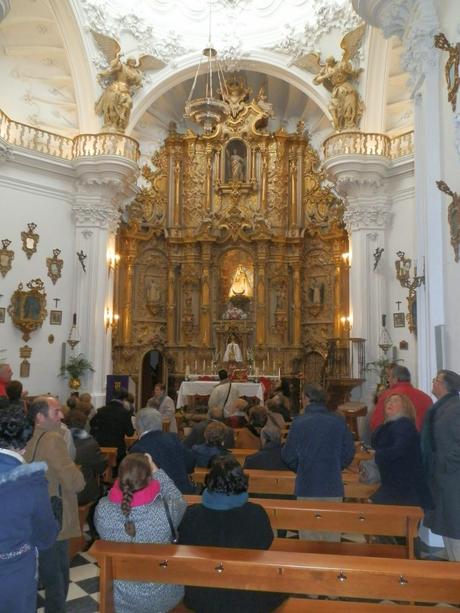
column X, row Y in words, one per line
column 56, row 302
column 398, row 303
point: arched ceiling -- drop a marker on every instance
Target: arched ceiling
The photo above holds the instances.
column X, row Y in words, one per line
column 42, row 84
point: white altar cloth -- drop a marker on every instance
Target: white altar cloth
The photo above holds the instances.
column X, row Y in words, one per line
column 204, row 388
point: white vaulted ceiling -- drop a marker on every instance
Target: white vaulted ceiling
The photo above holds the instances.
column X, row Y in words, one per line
column 36, row 83
column 42, row 83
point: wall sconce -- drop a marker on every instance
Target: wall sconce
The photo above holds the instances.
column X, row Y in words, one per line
column 74, row 337
column 346, row 322
column 403, row 274
column 113, row 259
column 111, row 320
column 346, row 257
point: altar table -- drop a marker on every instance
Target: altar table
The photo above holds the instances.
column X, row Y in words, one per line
column 204, row 388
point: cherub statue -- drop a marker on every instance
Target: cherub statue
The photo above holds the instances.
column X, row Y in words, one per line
column 121, row 80
column 346, row 106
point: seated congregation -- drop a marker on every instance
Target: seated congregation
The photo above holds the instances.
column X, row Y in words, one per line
column 181, row 522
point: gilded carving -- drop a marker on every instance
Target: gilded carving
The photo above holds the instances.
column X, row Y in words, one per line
column 231, row 230
column 27, row 307
column 452, row 67
column 453, row 217
column 338, row 77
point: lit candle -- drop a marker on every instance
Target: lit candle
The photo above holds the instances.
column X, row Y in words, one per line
column 204, row 367
column 263, row 366
column 196, row 366
column 279, row 373
column 187, row 370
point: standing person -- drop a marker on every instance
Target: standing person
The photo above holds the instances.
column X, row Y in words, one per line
column 165, row 404
column 318, row 447
column 64, row 482
column 399, row 382
column 166, row 450
column 224, row 394
column 5, row 377
column 135, row 512
column 112, row 423
column 226, row 518
column 398, row 456
column 441, row 454
column 28, row 522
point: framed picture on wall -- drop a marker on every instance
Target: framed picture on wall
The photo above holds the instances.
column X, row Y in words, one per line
column 399, row 320
column 55, row 318
column 2, row 315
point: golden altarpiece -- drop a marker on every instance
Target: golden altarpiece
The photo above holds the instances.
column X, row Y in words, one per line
column 235, row 236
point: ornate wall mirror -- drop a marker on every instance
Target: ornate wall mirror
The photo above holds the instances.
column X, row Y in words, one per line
column 27, row 308
column 6, row 257
column 54, row 266
column 30, row 240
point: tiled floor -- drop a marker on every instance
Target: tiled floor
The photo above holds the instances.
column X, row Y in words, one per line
column 84, row 578
column 84, row 586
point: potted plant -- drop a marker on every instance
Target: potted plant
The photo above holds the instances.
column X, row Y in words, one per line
column 380, row 367
column 75, row 368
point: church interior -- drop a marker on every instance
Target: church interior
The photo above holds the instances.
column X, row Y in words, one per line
column 267, row 186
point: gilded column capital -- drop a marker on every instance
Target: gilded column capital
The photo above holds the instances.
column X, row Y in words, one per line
column 363, row 217
column 98, row 216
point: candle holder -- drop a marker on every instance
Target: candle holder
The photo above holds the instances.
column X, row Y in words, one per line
column 403, row 274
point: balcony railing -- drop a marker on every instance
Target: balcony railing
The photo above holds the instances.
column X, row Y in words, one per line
column 369, row 143
column 82, row 146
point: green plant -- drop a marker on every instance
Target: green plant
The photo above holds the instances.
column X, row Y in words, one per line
column 76, row 367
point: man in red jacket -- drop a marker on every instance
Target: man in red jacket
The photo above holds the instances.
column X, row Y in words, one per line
column 399, row 380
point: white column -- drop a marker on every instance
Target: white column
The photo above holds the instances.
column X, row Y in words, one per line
column 102, row 191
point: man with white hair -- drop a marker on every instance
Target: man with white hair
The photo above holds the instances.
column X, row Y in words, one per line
column 165, row 448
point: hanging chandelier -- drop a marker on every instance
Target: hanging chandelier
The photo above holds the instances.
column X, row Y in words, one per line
column 210, row 109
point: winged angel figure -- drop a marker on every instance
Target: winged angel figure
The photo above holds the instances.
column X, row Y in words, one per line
column 346, row 106
column 120, row 80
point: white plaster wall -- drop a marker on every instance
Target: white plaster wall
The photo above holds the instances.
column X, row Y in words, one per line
column 449, row 15
column 33, row 195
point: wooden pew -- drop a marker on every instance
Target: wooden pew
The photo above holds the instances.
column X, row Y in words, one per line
column 349, row 517
column 111, row 455
column 282, row 482
column 353, row 577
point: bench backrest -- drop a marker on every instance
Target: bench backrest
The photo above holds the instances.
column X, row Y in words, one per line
column 355, row 518
column 283, row 482
column 275, row 571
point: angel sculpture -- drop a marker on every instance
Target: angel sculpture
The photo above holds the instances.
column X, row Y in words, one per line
column 345, row 106
column 121, row 80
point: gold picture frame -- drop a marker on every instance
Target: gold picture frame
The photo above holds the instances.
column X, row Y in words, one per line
column 452, row 67
column 27, row 308
column 54, row 266
column 30, row 240
column 6, row 257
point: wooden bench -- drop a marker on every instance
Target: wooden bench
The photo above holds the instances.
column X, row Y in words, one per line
column 348, row 517
column 283, row 481
column 77, row 543
column 111, row 455
column 353, row 577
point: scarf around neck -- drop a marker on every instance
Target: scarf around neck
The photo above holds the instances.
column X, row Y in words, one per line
column 223, row 502
column 141, row 497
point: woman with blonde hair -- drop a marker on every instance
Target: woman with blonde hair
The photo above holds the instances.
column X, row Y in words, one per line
column 398, row 456
column 143, row 506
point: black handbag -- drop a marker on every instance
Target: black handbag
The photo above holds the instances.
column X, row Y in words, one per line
column 56, row 501
column 174, row 533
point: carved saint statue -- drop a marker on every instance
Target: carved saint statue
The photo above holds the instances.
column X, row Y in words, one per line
column 345, row 106
column 233, row 351
column 236, row 95
column 120, row 80
column 237, row 166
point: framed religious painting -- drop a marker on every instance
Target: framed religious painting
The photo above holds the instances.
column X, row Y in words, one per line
column 30, row 240
column 54, row 266
column 55, row 318
column 27, row 307
column 2, row 315
column 6, row 257
column 399, row 320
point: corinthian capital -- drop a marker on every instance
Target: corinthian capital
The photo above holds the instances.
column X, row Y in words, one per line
column 96, row 216
column 366, row 217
